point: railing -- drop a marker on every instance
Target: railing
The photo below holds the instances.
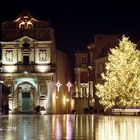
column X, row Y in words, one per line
column 26, row 68
column 81, row 96
column 32, row 68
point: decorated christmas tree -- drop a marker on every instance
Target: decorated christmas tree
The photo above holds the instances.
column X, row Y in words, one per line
column 121, row 80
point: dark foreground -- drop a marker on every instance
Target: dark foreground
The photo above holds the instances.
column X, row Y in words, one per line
column 70, row 127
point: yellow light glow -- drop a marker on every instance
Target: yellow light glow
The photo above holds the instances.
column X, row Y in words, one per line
column 121, row 79
column 26, row 24
column 53, row 98
column 9, row 63
column 64, row 100
column 42, row 68
column 10, row 68
column 72, row 103
column 67, row 100
column 29, row 23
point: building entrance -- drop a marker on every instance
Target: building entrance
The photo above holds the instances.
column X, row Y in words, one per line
column 26, row 102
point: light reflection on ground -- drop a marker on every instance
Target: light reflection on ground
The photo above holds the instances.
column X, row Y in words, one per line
column 70, row 127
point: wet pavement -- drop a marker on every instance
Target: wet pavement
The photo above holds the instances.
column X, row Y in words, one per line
column 69, row 127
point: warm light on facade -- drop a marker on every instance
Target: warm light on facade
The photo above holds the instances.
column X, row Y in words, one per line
column 10, row 69
column 43, row 55
column 53, row 98
column 22, row 23
column 29, row 66
column 25, row 23
column 9, row 56
column 43, row 102
column 72, row 103
column 42, row 68
column 64, row 100
column 67, row 100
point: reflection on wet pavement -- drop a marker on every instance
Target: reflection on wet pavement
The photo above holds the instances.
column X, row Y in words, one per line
column 69, row 127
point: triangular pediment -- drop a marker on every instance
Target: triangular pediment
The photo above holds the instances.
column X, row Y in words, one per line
column 25, row 39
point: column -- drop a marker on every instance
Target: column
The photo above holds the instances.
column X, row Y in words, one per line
column 50, row 98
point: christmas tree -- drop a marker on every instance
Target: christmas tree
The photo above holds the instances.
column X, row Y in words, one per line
column 121, row 81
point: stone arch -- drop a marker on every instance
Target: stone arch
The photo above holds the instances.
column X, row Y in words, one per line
column 26, row 97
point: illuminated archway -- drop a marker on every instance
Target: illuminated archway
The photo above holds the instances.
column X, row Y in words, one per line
column 26, row 97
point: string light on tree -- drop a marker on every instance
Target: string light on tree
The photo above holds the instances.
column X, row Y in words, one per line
column 69, row 85
column 58, row 84
column 121, row 86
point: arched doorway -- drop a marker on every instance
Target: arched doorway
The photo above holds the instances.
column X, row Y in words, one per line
column 26, row 97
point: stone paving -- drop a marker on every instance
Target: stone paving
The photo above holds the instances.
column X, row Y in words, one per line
column 69, row 127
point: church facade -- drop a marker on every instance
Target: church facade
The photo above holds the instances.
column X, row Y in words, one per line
column 29, row 66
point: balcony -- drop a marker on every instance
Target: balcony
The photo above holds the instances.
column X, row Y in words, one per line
column 32, row 68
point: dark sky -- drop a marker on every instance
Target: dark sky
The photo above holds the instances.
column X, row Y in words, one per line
column 76, row 23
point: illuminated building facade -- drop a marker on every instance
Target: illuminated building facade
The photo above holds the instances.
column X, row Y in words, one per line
column 30, row 66
column 84, row 97
column 89, row 64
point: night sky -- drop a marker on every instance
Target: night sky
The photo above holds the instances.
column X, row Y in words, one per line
column 76, row 23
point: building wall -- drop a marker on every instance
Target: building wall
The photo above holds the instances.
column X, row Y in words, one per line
column 83, row 84
column 100, row 68
column 27, row 25
column 29, row 65
column 31, row 75
column 63, row 96
column 96, row 54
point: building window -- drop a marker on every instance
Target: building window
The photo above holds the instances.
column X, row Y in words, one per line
column 84, row 60
column 84, row 91
column 26, row 60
